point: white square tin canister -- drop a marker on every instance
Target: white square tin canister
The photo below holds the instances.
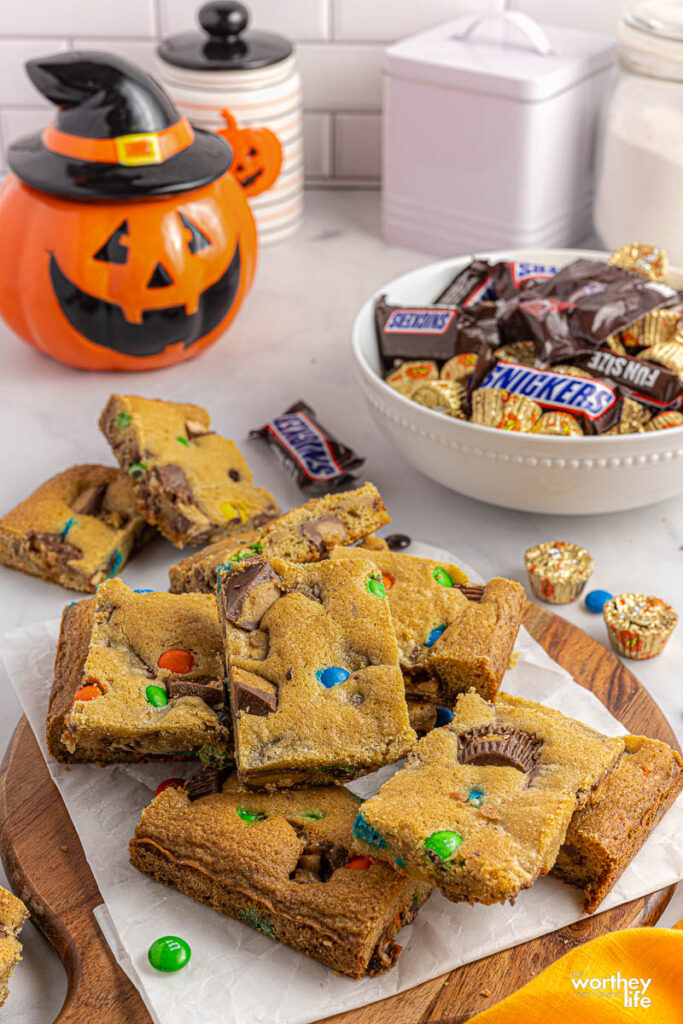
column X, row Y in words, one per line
column 489, row 134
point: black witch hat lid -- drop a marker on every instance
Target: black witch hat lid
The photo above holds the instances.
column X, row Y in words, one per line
column 116, row 135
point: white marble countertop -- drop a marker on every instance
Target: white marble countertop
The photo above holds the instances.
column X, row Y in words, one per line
column 291, row 341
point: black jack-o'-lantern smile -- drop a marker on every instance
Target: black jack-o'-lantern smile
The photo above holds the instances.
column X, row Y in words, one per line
column 104, row 323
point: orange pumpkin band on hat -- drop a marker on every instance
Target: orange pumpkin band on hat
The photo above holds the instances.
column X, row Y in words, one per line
column 135, row 150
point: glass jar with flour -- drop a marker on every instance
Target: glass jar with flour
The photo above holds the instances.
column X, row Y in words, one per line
column 639, row 195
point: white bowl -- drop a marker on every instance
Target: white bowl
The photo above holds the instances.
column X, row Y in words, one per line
column 530, row 472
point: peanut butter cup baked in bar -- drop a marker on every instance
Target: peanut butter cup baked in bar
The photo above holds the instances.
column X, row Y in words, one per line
column 452, row 635
column 138, row 676
column 304, row 534
column 604, row 836
column 13, row 915
column 483, row 804
column 77, row 529
column 192, row 484
column 316, row 692
column 281, row 863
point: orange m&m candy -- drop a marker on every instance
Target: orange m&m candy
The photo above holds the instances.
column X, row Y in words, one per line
column 88, row 692
column 360, row 863
column 387, row 581
column 176, row 660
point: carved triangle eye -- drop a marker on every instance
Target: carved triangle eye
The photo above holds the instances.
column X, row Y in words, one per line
column 198, row 239
column 160, row 278
column 113, row 251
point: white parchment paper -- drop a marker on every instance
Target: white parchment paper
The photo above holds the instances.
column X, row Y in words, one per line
column 238, row 976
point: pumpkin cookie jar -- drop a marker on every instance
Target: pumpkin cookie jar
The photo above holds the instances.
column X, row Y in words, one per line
column 127, row 242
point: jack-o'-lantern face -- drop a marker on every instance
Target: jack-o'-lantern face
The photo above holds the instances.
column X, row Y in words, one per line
column 142, row 283
column 257, row 155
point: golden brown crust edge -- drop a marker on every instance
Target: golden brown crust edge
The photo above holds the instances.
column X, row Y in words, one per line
column 72, row 650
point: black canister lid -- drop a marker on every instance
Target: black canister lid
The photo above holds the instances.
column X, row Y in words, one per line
column 224, row 44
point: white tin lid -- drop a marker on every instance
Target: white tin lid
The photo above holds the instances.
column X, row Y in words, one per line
column 506, row 53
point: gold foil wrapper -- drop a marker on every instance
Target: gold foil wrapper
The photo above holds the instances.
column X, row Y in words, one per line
column 558, row 570
column 494, row 407
column 460, row 367
column 634, row 418
column 665, row 421
column 562, row 423
column 647, row 260
column 655, row 327
column 615, row 345
column 639, row 625
column 443, row 395
column 406, row 377
column 667, row 353
column 523, row 352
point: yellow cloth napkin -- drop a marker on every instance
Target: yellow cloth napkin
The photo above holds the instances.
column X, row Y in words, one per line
column 627, row 976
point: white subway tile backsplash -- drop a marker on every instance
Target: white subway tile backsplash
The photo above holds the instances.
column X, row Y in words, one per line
column 22, row 121
column 318, row 145
column 602, row 16
column 387, row 20
column 340, row 76
column 297, row 19
column 15, row 85
column 77, row 18
column 358, row 146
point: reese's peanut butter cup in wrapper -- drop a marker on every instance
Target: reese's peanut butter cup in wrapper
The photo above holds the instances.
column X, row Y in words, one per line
column 647, row 260
column 614, row 344
column 406, row 377
column 657, row 326
column 667, row 353
column 444, row 395
column 634, row 418
column 594, row 403
column 459, row 367
column 523, row 352
column 558, row 570
column 638, row 625
column 561, row 423
column 665, row 421
column 494, row 407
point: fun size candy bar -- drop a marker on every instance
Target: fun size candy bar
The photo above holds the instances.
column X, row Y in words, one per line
column 509, row 277
column 469, row 286
column 654, row 385
column 317, row 461
column 594, row 402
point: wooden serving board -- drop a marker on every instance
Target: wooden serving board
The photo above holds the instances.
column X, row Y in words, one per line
column 60, row 891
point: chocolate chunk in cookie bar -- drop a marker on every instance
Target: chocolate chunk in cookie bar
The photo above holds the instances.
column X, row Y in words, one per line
column 191, row 483
column 77, row 529
column 604, row 836
column 483, row 804
column 281, row 863
column 13, row 914
column 315, row 689
column 138, row 676
column 452, row 635
column 304, row 534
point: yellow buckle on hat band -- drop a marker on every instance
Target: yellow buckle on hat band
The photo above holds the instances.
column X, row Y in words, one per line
column 138, row 149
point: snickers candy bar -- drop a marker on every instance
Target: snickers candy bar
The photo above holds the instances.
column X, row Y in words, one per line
column 594, row 403
column 511, row 277
column 317, row 460
column 469, row 286
column 415, row 332
column 647, row 382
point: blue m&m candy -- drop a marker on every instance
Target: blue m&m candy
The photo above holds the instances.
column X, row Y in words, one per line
column 435, row 634
column 331, row 676
column 597, row 599
column 444, row 716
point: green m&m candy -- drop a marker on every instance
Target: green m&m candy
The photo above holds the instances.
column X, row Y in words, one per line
column 443, row 844
column 376, row 586
column 169, row 953
column 442, row 577
column 157, row 696
column 250, row 816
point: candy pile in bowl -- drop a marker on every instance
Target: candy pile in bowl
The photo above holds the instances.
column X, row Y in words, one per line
column 593, row 348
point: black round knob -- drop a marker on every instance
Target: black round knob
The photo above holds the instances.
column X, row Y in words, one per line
column 224, row 20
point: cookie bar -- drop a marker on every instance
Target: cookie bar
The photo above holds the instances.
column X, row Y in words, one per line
column 77, row 529
column 13, row 914
column 316, row 693
column 304, row 534
column 281, row 863
column 483, row 804
column 605, row 835
column 138, row 676
column 192, row 484
column 451, row 635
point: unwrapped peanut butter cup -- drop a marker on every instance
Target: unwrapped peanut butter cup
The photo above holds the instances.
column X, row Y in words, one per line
column 505, row 747
column 639, row 625
column 558, row 570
